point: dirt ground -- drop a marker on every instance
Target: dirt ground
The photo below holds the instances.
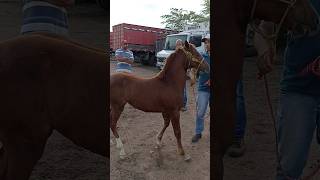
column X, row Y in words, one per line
column 138, row 131
column 62, row 160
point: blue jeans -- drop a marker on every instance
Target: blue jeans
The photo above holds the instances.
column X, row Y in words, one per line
column 241, row 117
column 298, row 116
column 185, row 97
column 202, row 105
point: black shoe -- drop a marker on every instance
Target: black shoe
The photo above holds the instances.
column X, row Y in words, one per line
column 183, row 109
column 237, row 149
column 196, row 138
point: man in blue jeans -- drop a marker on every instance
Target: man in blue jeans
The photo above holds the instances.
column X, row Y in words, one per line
column 238, row 147
column 203, row 92
column 299, row 106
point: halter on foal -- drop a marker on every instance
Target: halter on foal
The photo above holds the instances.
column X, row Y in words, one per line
column 162, row 93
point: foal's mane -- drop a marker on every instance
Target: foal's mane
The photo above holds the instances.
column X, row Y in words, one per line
column 170, row 60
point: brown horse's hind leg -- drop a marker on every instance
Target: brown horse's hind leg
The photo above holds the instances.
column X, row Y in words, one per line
column 175, row 121
column 166, row 123
column 3, row 163
column 19, row 158
column 114, row 117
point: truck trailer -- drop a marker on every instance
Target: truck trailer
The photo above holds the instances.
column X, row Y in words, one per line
column 143, row 41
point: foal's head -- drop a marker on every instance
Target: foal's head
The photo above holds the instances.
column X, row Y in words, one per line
column 297, row 15
column 193, row 58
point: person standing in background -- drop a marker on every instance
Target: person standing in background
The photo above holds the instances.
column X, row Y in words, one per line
column 45, row 16
column 125, row 58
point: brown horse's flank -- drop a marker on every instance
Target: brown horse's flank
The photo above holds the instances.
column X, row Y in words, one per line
column 49, row 84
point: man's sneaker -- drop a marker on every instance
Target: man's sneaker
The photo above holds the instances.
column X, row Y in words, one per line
column 237, row 149
column 196, row 138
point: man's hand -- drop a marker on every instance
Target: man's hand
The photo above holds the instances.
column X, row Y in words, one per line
column 265, row 48
column 192, row 75
column 208, row 83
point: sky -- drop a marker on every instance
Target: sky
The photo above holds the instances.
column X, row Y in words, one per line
column 147, row 12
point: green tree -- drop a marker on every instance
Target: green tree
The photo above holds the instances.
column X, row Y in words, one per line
column 177, row 18
column 206, row 9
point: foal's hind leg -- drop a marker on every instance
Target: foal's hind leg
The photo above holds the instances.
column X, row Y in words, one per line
column 114, row 117
column 175, row 121
column 166, row 123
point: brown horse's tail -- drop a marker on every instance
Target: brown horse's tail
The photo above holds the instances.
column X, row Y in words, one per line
column 110, row 117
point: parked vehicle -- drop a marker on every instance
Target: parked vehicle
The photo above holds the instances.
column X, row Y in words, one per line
column 142, row 41
column 193, row 34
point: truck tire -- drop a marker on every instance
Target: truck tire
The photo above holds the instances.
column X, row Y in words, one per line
column 152, row 60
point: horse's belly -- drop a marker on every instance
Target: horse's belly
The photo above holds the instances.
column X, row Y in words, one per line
column 147, row 106
column 156, row 104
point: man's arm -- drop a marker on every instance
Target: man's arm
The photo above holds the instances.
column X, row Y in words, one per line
column 265, row 48
column 123, row 59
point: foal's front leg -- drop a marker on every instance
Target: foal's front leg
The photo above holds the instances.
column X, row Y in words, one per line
column 114, row 116
column 166, row 122
column 175, row 121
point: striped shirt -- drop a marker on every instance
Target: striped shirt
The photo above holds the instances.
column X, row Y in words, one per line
column 123, row 66
column 40, row 16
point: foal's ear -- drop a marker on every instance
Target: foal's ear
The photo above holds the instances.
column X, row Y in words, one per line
column 186, row 44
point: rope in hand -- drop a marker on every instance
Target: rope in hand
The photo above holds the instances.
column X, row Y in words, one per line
column 312, row 68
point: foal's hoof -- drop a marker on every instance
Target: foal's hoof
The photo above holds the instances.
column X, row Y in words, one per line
column 122, row 157
column 181, row 152
column 122, row 154
column 187, row 157
column 158, row 145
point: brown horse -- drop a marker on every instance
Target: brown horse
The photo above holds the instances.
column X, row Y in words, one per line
column 49, row 84
column 230, row 19
column 162, row 93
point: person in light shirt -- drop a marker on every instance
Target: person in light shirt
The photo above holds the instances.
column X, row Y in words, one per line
column 125, row 58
